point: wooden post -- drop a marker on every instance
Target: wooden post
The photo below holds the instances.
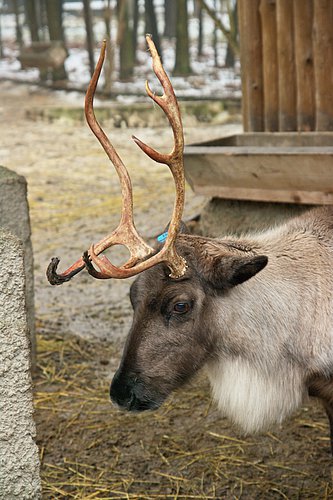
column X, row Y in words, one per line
column 303, row 18
column 286, row 66
column 270, row 64
column 252, row 78
column 323, row 63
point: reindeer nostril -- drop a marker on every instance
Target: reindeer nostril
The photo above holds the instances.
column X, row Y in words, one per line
column 121, row 390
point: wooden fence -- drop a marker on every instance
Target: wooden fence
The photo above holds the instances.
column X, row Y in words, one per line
column 287, row 64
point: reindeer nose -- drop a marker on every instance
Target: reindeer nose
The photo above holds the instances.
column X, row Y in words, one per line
column 129, row 392
column 121, row 390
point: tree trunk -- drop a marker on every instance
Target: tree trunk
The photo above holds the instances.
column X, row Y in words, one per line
column 18, row 27
column 42, row 21
column 151, row 24
column 54, row 18
column 170, row 16
column 230, row 55
column 109, row 60
column 182, row 64
column 303, row 19
column 31, row 13
column 33, row 24
column 125, row 39
column 136, row 16
column 216, row 58
column 201, row 29
column 1, row 44
column 270, row 65
column 323, row 63
column 90, row 34
column 251, row 64
column 286, row 65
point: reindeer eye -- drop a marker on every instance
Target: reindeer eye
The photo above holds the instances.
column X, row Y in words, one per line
column 181, row 307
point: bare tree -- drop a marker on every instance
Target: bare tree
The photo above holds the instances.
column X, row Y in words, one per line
column 125, row 38
column 201, row 30
column 182, row 64
column 230, row 34
column 90, row 34
column 18, row 28
column 151, row 23
column 109, row 63
column 54, row 12
column 170, row 16
column 233, row 20
column 32, row 19
column 1, row 44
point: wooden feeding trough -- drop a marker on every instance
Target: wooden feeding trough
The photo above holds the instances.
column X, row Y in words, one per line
column 286, row 152
column 273, row 167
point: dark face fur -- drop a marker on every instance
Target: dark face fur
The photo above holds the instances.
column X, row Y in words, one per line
column 172, row 334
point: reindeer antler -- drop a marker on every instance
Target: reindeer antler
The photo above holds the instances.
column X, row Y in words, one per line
column 142, row 256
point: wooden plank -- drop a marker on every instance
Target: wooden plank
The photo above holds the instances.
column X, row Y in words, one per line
column 270, row 64
column 323, row 63
column 286, row 65
column 243, row 54
column 303, row 19
column 251, row 52
column 268, row 195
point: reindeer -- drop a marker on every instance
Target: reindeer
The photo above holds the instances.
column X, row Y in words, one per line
column 256, row 312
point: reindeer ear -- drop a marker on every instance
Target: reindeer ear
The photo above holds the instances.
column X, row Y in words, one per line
column 227, row 271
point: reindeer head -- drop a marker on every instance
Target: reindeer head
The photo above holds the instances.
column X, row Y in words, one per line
column 177, row 321
column 173, row 332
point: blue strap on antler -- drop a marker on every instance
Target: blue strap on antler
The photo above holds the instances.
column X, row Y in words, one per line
column 162, row 237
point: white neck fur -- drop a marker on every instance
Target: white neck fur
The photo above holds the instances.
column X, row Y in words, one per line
column 254, row 400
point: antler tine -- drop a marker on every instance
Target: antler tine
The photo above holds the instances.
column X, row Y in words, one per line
column 124, row 178
column 168, row 103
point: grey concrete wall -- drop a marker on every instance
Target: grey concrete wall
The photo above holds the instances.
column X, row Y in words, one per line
column 222, row 217
column 19, row 461
column 14, row 216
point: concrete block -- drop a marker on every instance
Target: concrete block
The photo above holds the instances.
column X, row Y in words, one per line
column 14, row 216
column 19, row 461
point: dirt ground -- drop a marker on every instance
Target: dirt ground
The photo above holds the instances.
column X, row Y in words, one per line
column 89, row 450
